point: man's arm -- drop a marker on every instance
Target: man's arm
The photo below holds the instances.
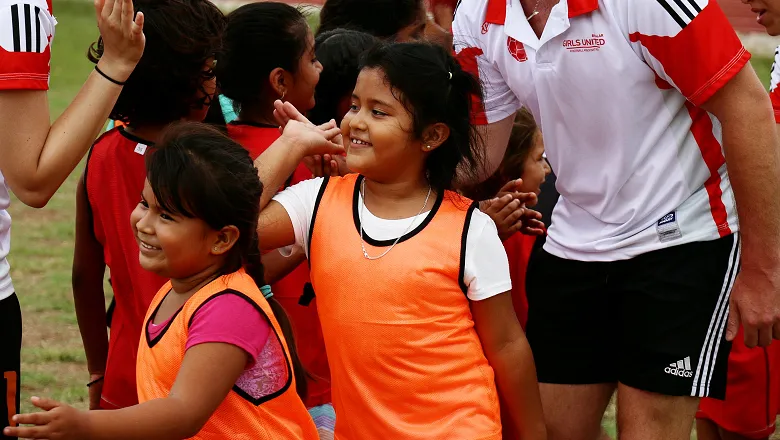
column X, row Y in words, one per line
column 753, row 159
column 37, row 156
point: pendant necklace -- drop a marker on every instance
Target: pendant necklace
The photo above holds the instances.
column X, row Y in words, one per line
column 360, row 218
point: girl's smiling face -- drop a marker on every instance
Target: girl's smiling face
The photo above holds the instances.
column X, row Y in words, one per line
column 377, row 132
column 171, row 245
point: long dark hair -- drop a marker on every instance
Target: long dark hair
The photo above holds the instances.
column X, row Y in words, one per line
column 259, row 38
column 381, row 18
column 181, row 36
column 434, row 88
column 339, row 52
column 199, row 172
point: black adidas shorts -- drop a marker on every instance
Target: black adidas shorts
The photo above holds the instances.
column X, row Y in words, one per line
column 10, row 347
column 655, row 322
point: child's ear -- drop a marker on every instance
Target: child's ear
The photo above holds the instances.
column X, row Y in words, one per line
column 434, row 136
column 226, row 238
column 279, row 80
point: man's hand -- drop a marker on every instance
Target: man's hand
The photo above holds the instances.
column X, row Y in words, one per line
column 754, row 305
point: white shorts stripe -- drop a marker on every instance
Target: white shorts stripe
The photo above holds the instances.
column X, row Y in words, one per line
column 703, row 367
column 725, row 320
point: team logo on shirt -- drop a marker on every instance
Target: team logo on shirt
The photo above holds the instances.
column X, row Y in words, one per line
column 516, row 49
column 25, row 28
column 592, row 44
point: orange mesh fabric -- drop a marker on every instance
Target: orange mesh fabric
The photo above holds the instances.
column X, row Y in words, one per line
column 406, row 362
column 282, row 417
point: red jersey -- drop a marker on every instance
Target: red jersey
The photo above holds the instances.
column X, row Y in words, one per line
column 289, row 291
column 115, row 177
column 518, row 249
column 26, row 31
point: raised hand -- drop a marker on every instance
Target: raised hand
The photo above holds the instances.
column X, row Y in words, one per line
column 123, row 37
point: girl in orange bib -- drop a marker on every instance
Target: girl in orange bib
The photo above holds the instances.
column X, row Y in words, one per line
column 411, row 280
column 216, row 360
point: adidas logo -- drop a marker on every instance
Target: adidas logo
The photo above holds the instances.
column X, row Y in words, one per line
column 680, row 368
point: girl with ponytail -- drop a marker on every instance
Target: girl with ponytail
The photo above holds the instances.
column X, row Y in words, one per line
column 217, row 357
column 412, row 280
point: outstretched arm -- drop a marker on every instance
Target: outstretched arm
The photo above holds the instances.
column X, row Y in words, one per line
column 207, row 375
column 37, row 156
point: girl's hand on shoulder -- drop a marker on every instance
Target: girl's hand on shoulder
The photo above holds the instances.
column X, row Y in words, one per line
column 123, row 37
column 59, row 422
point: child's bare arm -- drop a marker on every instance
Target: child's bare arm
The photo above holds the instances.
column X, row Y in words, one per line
column 88, row 270
column 207, row 374
column 508, row 352
column 276, row 266
column 37, row 156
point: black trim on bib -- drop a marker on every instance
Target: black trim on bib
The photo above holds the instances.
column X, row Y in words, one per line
column 408, row 235
column 463, row 238
column 236, row 389
column 152, row 342
column 320, row 193
column 135, row 138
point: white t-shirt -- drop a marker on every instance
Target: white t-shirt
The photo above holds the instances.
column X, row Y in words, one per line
column 617, row 88
column 487, row 269
column 6, row 286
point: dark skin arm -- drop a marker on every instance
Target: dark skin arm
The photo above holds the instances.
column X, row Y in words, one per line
column 207, row 374
column 276, row 266
column 88, row 270
column 508, row 352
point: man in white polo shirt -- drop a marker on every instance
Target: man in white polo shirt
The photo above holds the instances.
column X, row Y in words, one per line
column 642, row 103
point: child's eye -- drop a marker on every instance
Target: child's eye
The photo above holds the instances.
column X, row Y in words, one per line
column 165, row 216
column 314, row 60
column 378, row 113
column 144, row 204
column 353, row 108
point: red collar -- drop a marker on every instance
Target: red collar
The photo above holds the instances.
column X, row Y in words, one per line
column 496, row 9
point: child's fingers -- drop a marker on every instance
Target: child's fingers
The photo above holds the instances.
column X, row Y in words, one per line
column 107, row 9
column 509, row 209
column 334, row 169
column 99, row 8
column 44, row 403
column 126, row 17
column 138, row 29
column 293, row 113
column 40, row 418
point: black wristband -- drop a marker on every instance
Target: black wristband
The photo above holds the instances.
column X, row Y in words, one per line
column 95, row 381
column 103, row 74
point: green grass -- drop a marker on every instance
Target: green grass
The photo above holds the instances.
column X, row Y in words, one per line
column 53, row 357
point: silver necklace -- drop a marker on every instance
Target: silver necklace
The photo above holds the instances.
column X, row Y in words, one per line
column 360, row 218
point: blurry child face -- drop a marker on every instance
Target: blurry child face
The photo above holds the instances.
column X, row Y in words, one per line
column 376, row 131
column 767, row 14
column 301, row 94
column 205, row 94
column 170, row 245
column 535, row 168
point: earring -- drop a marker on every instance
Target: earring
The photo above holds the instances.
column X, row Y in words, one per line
column 428, row 147
column 283, row 93
column 215, row 249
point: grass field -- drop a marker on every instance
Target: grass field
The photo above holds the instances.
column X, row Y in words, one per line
column 53, row 358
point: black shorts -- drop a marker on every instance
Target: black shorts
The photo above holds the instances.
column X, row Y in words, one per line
column 10, row 359
column 655, row 322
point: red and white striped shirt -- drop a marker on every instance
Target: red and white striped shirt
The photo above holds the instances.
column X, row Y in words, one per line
column 616, row 86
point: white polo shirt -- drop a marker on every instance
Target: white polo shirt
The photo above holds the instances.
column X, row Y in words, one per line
column 615, row 85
